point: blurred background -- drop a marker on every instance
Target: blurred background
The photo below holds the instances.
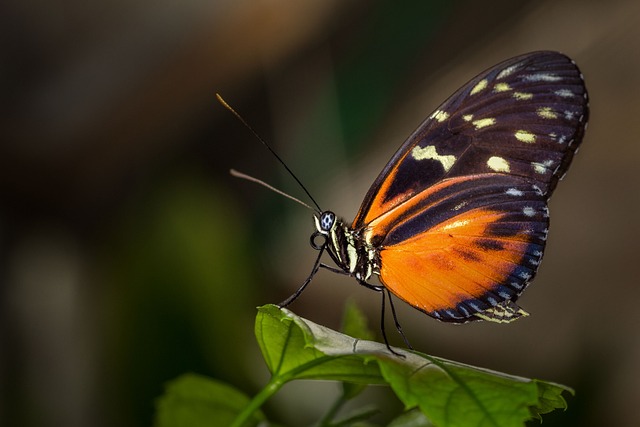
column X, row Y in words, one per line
column 129, row 256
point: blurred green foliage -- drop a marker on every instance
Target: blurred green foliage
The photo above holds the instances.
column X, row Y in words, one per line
column 179, row 298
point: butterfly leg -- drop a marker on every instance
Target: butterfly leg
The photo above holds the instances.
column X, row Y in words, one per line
column 334, row 269
column 297, row 293
column 385, row 292
column 395, row 319
column 382, row 328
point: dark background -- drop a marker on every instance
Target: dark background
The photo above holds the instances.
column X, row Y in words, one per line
column 128, row 255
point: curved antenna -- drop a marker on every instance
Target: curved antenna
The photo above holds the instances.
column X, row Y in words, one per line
column 235, row 113
column 237, row 174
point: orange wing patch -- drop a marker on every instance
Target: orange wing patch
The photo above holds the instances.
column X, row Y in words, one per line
column 457, row 261
column 384, row 216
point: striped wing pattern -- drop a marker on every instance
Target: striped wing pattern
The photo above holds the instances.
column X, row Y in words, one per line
column 459, row 215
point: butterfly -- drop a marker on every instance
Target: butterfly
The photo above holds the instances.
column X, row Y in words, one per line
column 456, row 223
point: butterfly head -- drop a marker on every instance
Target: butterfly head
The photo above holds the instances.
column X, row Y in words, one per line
column 325, row 222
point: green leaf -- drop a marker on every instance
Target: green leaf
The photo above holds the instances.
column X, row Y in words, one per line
column 298, row 349
column 413, row 418
column 550, row 398
column 354, row 322
column 448, row 393
column 192, row 400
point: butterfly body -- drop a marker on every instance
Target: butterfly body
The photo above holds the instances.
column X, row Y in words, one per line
column 457, row 221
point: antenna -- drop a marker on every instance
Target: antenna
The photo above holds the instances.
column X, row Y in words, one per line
column 237, row 174
column 235, row 113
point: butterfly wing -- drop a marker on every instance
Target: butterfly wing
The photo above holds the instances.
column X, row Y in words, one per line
column 459, row 215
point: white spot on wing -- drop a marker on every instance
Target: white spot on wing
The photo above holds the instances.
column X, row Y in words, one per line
column 460, row 205
column 429, row 153
column 545, row 232
column 528, row 211
column 542, row 167
column 539, row 168
column 514, row 192
column 517, row 285
column 504, row 294
column 475, row 306
column 524, row 275
column 565, row 93
column 507, row 71
column 542, row 77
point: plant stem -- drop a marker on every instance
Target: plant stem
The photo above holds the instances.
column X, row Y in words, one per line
column 333, row 410
column 258, row 400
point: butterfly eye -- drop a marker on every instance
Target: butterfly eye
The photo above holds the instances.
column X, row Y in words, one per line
column 327, row 219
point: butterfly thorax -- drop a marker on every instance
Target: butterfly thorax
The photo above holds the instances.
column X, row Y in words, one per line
column 346, row 246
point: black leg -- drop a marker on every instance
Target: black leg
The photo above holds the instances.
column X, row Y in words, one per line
column 334, row 269
column 382, row 328
column 316, row 266
column 385, row 292
column 395, row 319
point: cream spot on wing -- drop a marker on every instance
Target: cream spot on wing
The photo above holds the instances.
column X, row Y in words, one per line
column 481, row 123
column 429, row 153
column 439, row 115
column 522, row 96
column 481, row 85
column 538, row 167
column 547, row 113
column 456, row 224
column 542, row 168
column 525, row 136
column 501, row 87
column 498, row 164
column 467, row 117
